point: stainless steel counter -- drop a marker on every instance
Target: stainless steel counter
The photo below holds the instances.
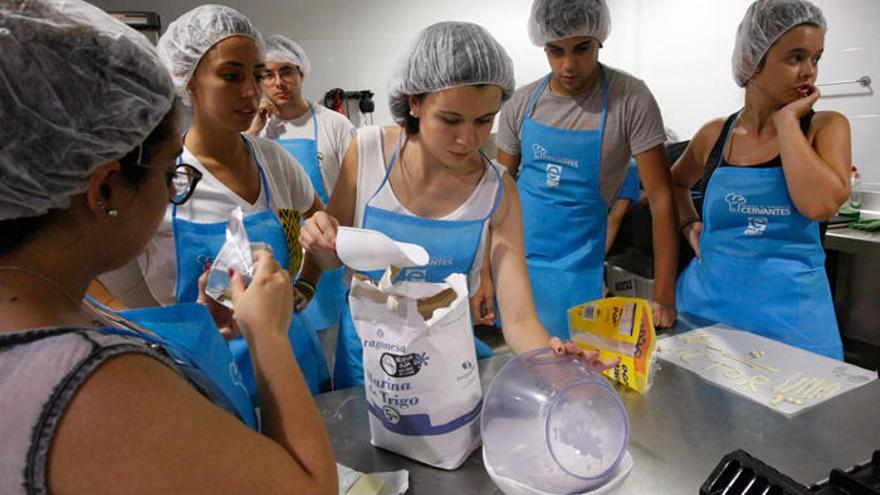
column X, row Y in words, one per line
column 847, row 240
column 680, row 429
column 854, row 267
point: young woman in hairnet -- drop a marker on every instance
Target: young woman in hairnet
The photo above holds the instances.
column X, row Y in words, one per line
column 86, row 174
column 770, row 172
column 570, row 136
column 426, row 182
column 214, row 55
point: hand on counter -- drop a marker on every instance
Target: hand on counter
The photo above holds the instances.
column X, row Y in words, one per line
column 591, row 357
column 664, row 315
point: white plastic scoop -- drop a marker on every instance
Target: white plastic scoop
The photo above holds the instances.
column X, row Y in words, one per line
column 368, row 250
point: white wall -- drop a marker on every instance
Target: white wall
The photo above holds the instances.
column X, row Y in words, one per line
column 681, row 48
column 683, row 53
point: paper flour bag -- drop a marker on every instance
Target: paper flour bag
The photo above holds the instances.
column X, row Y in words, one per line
column 420, row 367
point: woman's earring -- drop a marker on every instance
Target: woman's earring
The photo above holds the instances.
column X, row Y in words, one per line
column 412, row 114
column 111, row 212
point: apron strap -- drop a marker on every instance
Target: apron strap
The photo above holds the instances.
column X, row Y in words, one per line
column 179, row 162
column 263, row 182
column 250, row 149
column 713, row 161
column 712, row 165
column 533, row 99
column 119, row 324
column 499, row 192
column 390, row 164
column 604, row 115
column 315, row 122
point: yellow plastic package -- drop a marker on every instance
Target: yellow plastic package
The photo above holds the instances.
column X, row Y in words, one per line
column 618, row 327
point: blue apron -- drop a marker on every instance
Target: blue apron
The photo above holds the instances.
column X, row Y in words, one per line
column 453, row 246
column 763, row 266
column 565, row 218
column 197, row 243
column 188, row 334
column 324, row 309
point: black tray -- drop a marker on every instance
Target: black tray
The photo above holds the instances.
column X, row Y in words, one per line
column 739, row 473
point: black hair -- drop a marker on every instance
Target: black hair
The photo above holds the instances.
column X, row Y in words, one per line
column 14, row 232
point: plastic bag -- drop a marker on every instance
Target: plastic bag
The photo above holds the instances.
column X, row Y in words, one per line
column 420, row 367
column 235, row 254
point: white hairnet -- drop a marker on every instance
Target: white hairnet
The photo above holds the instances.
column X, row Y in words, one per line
column 553, row 20
column 285, row 50
column 446, row 55
column 191, row 35
column 765, row 21
column 77, row 89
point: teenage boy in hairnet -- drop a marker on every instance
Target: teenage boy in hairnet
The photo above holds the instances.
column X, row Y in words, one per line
column 569, row 137
column 318, row 138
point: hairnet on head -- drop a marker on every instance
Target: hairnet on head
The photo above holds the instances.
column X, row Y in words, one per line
column 77, row 89
column 553, row 20
column 765, row 21
column 285, row 50
column 446, row 55
column 191, row 35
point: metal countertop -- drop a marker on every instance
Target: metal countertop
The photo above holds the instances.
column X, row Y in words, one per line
column 853, row 241
column 680, row 429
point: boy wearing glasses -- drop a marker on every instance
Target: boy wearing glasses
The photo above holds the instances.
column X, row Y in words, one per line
column 318, row 138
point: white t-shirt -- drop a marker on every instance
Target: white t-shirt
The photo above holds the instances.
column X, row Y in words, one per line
column 334, row 135
column 211, row 202
column 371, row 172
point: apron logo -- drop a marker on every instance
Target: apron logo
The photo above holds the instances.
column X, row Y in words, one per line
column 540, row 154
column 734, row 201
column 757, row 226
column 737, row 203
column 554, row 175
column 415, row 274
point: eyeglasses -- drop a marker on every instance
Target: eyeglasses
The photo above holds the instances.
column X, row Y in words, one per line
column 181, row 181
column 287, row 73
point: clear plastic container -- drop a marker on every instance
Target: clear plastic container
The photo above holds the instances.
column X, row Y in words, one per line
column 867, row 196
column 552, row 423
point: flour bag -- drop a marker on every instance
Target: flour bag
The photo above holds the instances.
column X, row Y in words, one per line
column 420, row 367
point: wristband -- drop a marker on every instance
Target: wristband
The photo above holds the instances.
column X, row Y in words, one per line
column 682, row 226
column 306, row 287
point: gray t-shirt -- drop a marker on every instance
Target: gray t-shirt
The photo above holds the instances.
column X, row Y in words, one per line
column 633, row 124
